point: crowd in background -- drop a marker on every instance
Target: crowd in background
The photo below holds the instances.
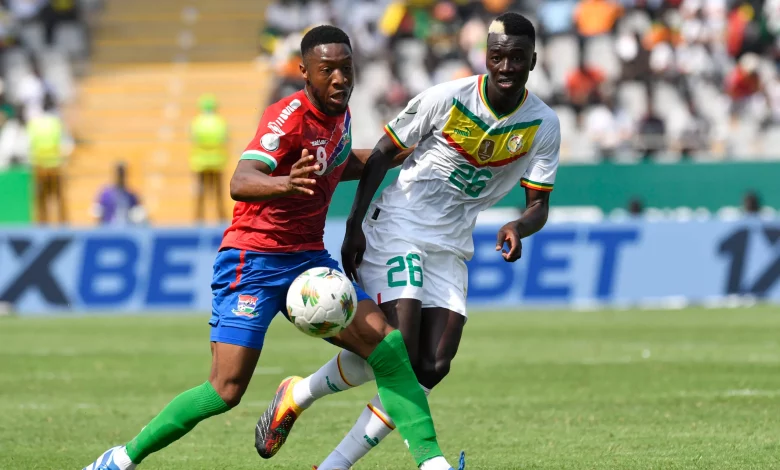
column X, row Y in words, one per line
column 629, row 79
column 44, row 45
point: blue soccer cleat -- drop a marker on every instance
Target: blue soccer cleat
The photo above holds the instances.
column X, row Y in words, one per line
column 108, row 460
column 462, row 460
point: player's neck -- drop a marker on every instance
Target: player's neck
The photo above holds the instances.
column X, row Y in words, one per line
column 316, row 104
column 503, row 103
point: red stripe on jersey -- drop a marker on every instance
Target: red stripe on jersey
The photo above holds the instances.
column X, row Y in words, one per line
column 239, row 268
column 379, row 298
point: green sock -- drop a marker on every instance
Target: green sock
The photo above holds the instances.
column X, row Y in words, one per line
column 175, row 420
column 403, row 398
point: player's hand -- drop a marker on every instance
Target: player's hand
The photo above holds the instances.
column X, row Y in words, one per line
column 298, row 181
column 352, row 252
column 508, row 235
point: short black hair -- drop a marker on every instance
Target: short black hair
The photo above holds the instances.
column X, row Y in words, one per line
column 324, row 34
column 513, row 24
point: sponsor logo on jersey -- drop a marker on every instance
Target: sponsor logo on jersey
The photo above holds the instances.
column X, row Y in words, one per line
column 464, row 132
column 270, row 142
column 318, row 142
column 246, row 306
column 515, row 143
column 412, row 108
column 284, row 115
column 486, row 149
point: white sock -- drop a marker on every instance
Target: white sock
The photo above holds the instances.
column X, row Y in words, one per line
column 343, row 372
column 436, row 463
column 373, row 425
column 122, row 460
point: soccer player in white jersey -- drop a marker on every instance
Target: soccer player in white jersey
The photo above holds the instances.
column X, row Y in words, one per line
column 476, row 139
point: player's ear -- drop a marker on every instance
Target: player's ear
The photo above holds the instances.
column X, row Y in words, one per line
column 304, row 71
column 533, row 61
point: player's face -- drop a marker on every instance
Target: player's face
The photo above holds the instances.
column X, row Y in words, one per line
column 509, row 61
column 329, row 76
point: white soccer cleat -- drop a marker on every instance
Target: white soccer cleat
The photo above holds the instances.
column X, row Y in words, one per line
column 114, row 458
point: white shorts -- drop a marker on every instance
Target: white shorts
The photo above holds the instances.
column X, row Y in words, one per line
column 394, row 268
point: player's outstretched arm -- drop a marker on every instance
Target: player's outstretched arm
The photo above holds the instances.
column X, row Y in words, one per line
column 359, row 157
column 537, row 208
column 380, row 160
column 252, row 182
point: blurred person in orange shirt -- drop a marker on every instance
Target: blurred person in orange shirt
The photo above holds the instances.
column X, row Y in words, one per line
column 583, row 86
column 596, row 17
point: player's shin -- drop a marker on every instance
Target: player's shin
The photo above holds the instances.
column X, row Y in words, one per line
column 371, row 428
column 175, row 420
column 346, row 370
column 403, row 398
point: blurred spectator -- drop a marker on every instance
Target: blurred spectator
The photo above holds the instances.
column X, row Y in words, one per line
column 744, row 87
column 46, row 133
column 751, row 203
column 651, row 132
column 596, row 17
column 209, row 156
column 33, row 88
column 635, row 207
column 116, row 204
column 610, row 128
column 583, row 86
column 556, row 17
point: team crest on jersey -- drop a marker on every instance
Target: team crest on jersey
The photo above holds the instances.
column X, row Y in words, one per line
column 246, row 306
column 486, row 149
column 514, row 144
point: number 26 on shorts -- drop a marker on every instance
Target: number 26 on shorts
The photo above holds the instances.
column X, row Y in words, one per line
column 403, row 269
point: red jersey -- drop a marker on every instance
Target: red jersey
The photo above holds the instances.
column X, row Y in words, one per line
column 297, row 222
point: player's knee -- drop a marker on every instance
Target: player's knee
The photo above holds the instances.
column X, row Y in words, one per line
column 230, row 391
column 433, row 370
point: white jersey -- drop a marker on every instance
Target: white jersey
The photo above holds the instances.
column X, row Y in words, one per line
column 467, row 158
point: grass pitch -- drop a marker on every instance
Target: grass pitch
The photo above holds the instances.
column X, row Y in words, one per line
column 689, row 389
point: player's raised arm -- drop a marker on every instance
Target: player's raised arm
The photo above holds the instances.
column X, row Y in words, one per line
column 252, row 182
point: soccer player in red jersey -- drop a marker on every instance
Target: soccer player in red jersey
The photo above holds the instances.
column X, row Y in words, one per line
column 283, row 185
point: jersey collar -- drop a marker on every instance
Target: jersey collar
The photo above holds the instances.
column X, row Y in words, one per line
column 482, row 86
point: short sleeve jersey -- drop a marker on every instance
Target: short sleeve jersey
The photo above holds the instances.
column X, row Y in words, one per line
column 467, row 158
column 297, row 222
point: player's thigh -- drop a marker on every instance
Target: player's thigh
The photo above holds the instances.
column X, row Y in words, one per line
column 440, row 334
column 405, row 315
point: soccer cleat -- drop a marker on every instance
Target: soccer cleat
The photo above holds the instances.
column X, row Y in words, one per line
column 462, row 460
column 276, row 423
column 107, row 462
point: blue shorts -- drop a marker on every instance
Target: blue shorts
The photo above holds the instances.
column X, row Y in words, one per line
column 250, row 288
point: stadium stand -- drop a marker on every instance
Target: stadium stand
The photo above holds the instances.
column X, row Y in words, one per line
column 661, row 79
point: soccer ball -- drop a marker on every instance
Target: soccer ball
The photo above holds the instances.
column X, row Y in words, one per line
column 321, row 302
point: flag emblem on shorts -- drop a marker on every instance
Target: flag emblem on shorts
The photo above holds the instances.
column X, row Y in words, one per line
column 246, row 306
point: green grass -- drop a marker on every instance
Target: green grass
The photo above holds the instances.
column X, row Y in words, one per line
column 690, row 389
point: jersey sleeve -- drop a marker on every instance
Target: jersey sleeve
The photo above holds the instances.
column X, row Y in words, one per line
column 419, row 118
column 540, row 174
column 276, row 136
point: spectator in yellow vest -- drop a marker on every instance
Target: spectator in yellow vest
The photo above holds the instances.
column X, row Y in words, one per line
column 209, row 155
column 45, row 133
